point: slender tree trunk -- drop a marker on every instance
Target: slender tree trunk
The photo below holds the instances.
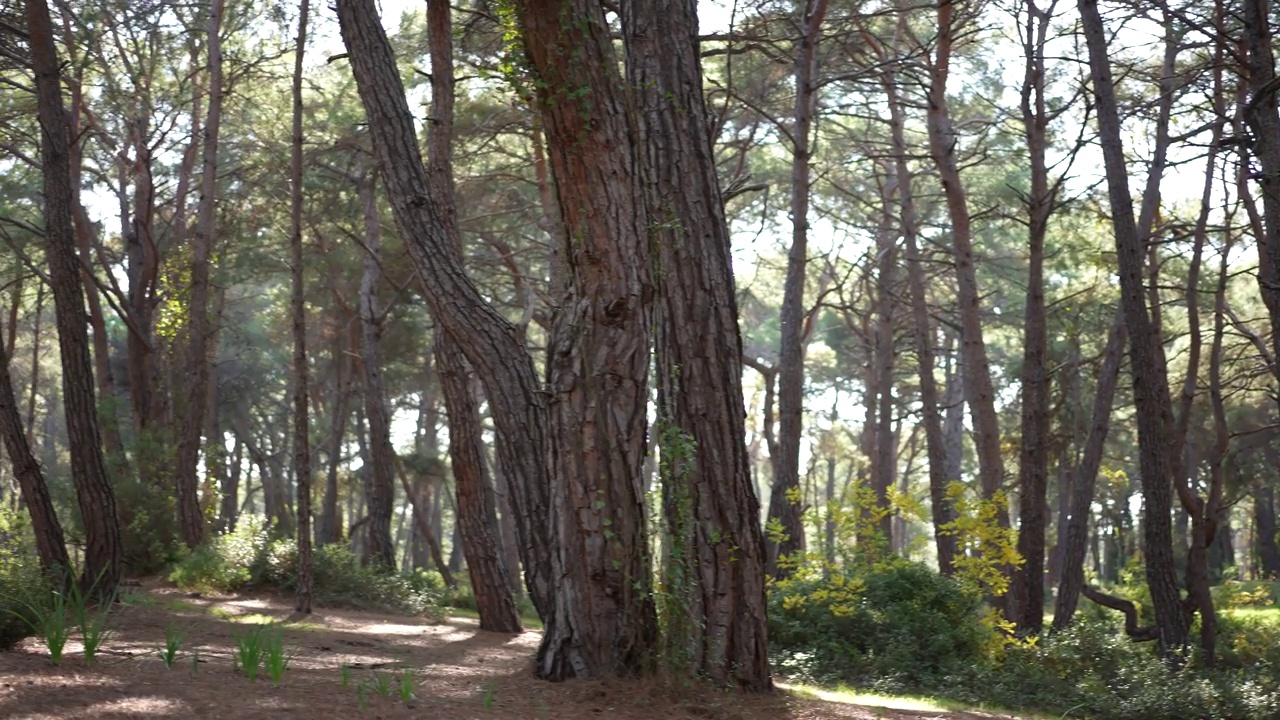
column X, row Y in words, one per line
column 330, row 521
column 979, row 390
column 1150, row 386
column 102, row 551
column 1262, row 113
column 477, row 518
column 197, row 373
column 786, row 536
column 1085, row 478
column 1264, row 517
column 50, row 546
column 380, row 479
column 492, row 345
column 229, row 510
column 1026, row 589
column 301, row 419
column 715, row 571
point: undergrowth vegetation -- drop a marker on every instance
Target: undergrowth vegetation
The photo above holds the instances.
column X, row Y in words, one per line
column 898, row 627
column 253, row 557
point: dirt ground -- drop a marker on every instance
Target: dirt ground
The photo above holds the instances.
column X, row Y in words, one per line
column 454, row 671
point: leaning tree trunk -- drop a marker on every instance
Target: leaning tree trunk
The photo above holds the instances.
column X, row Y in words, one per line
column 301, row 421
column 380, row 480
column 50, row 546
column 491, row 344
column 715, row 570
column 603, row 620
column 786, row 536
column 1086, row 476
column 102, row 551
column 197, row 375
column 1150, row 386
column 477, row 517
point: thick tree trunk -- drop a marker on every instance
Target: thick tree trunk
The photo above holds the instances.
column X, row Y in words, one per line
column 50, row 546
column 1085, row 478
column 1150, row 386
column 715, row 570
column 598, row 350
column 491, row 344
column 298, row 311
column 197, row 361
column 1262, row 113
column 1026, row 589
column 102, row 551
column 380, row 478
column 477, row 517
column 786, row 536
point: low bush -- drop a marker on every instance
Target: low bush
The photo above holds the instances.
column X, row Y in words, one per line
column 26, row 594
column 251, row 556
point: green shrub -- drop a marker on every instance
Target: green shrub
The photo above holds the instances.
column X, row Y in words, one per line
column 26, row 594
column 896, row 625
column 251, row 557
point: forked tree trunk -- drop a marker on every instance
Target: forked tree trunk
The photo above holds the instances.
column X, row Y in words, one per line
column 50, row 546
column 491, row 344
column 1026, row 589
column 197, row 360
column 786, row 536
column 301, row 420
column 598, row 351
column 102, row 550
column 477, row 518
column 380, row 478
column 715, row 571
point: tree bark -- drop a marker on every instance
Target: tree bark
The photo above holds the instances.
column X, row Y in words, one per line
column 1150, row 386
column 197, row 372
column 477, row 517
column 1086, row 475
column 1262, row 113
column 330, row 521
column 102, row 551
column 715, row 570
column 784, row 505
column 1026, row 589
column 598, row 351
column 50, row 546
column 491, row 344
column 301, row 380
column 380, row 478
column 1264, row 517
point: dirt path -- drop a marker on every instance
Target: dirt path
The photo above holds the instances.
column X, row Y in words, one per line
column 451, row 670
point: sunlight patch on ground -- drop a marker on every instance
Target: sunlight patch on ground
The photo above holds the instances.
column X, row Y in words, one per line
column 853, row 697
column 135, row 706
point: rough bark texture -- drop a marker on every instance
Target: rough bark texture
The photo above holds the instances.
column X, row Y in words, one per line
column 784, row 507
column 598, row 350
column 477, row 518
column 197, row 361
column 1150, row 386
column 301, row 379
column 491, row 344
column 50, row 546
column 1262, row 113
column 1026, row 589
column 715, row 570
column 380, row 478
column 1086, row 476
column 102, row 550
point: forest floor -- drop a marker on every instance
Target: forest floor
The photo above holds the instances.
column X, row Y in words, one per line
column 447, row 669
